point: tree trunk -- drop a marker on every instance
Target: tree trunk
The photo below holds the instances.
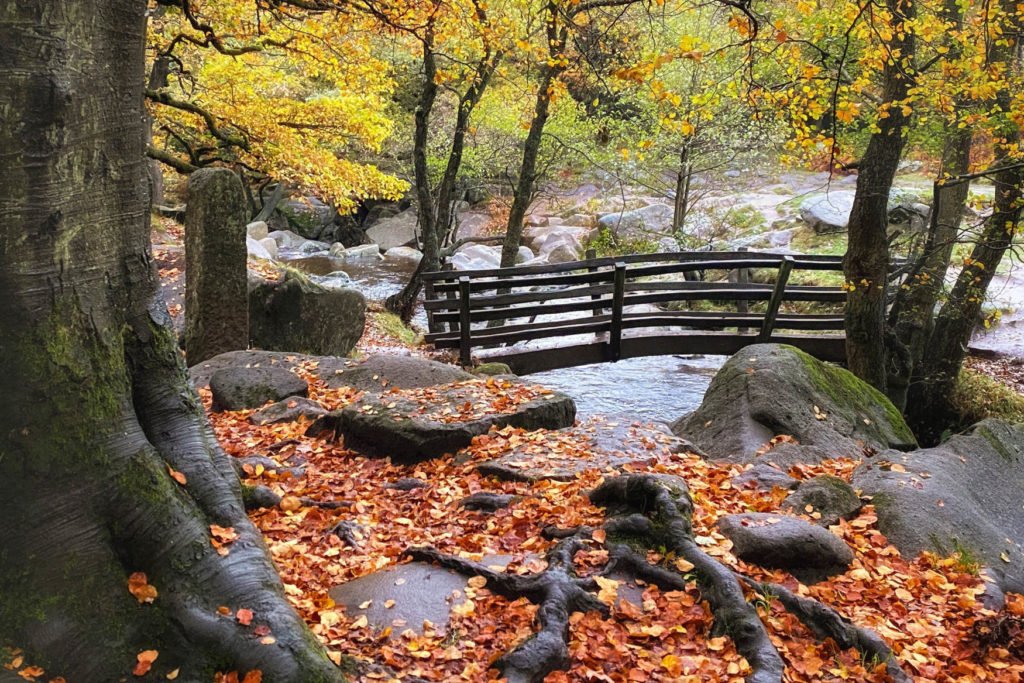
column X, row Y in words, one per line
column 866, row 265
column 681, row 206
column 526, row 182
column 913, row 313
column 96, row 406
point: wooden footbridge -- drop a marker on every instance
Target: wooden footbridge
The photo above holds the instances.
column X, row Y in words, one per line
column 607, row 309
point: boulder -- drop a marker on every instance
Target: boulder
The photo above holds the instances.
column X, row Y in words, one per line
column 240, row 388
column 323, row 367
column 215, row 264
column 286, row 239
column 766, row 390
column 600, row 443
column 288, row 410
column 563, row 253
column 297, row 314
column 764, row 476
column 652, row 218
column 309, row 247
column 335, row 280
column 363, row 251
column 825, row 498
column 270, row 246
column 411, row 426
column 963, row 496
column 492, row 369
column 396, row 231
column 775, row 541
column 256, row 249
column 381, row 372
column 524, row 254
column 256, row 230
column 830, row 211
column 404, row 255
column 479, row 253
column 308, row 216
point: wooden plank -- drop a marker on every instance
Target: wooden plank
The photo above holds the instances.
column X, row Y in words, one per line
column 428, row 293
column 453, row 326
column 500, row 337
column 777, row 296
column 829, row 348
column 465, row 326
column 618, row 296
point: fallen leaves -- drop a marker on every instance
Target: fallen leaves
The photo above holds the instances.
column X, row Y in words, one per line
column 221, row 537
column 144, row 662
column 138, row 585
column 925, row 607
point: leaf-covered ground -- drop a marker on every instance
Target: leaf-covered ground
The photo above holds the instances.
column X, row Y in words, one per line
column 927, row 608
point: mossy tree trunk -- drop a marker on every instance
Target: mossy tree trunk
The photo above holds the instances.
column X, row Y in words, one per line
column 96, row 407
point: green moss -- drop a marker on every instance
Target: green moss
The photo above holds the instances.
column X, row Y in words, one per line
column 393, row 326
column 846, row 389
column 997, row 445
column 977, row 396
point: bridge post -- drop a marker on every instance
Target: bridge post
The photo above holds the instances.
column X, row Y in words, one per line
column 741, row 276
column 618, row 297
column 592, row 254
column 777, row 296
column 450, row 295
column 465, row 333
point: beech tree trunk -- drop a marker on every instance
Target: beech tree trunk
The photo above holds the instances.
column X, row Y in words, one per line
column 95, row 406
column 866, row 265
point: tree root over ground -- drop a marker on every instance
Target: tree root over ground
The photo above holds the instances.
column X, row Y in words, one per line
column 653, row 511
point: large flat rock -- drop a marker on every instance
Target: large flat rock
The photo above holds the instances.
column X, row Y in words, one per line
column 420, row 424
column 600, row 443
column 405, row 596
column 809, row 552
column 965, row 496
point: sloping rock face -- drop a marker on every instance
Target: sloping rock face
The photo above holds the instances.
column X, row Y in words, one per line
column 298, row 315
column 382, row 372
column 242, row 388
column 770, row 389
column 416, row 425
column 810, row 552
column 600, row 443
column 965, row 496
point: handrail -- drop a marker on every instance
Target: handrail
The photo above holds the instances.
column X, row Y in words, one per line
column 599, row 290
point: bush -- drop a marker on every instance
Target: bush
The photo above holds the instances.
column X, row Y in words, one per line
column 978, row 396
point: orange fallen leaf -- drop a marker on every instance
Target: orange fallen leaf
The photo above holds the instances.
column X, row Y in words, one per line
column 144, row 662
column 138, row 585
column 244, row 616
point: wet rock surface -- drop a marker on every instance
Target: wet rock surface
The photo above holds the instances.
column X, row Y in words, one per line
column 777, row 541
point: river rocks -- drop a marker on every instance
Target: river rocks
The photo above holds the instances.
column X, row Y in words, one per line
column 240, row 388
column 308, row 216
column 420, row 424
column 600, row 443
column 296, row 314
column 310, row 247
column 363, row 251
column 825, row 498
column 476, row 257
column 830, row 211
column 396, row 231
column 286, row 239
column 257, row 230
column 404, row 255
column 767, row 390
column 963, row 496
column 257, row 249
column 635, row 223
column 809, row 552
column 288, row 410
column 408, row 596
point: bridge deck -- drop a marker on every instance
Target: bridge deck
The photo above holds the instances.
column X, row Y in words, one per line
column 614, row 308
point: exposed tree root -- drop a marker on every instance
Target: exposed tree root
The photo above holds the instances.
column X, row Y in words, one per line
column 488, row 502
column 654, row 511
column 349, row 532
column 824, row 622
column 558, row 592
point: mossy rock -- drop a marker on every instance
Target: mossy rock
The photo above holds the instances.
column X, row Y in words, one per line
column 492, row 369
column 826, row 498
column 767, row 390
column 962, row 497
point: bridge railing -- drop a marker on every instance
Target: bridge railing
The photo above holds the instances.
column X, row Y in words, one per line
column 607, row 296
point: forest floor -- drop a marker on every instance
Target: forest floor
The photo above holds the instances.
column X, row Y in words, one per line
column 927, row 608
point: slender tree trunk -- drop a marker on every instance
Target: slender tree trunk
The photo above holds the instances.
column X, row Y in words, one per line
column 96, row 406
column 681, row 207
column 929, row 409
column 526, row 183
column 866, row 265
column 913, row 313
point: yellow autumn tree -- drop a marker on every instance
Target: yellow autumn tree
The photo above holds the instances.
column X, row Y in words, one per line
column 294, row 96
